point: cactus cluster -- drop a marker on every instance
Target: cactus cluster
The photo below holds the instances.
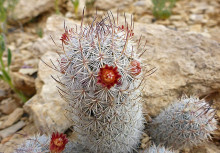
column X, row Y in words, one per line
column 188, row 122
column 100, row 77
column 101, row 73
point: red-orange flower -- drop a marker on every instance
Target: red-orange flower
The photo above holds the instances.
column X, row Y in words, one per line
column 135, row 67
column 108, row 76
column 58, row 142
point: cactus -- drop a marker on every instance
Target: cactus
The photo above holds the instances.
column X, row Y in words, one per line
column 157, row 149
column 185, row 123
column 36, row 144
column 74, row 147
column 100, row 75
column 44, row 144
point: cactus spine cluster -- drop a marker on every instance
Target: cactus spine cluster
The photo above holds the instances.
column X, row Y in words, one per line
column 188, row 122
column 157, row 149
column 101, row 73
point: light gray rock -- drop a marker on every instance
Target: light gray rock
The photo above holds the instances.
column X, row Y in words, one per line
column 3, row 94
column 12, row 129
column 142, row 6
column 12, row 118
column 28, row 9
column 196, row 17
column 107, row 5
column 8, row 105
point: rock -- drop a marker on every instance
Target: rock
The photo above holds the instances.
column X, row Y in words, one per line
column 186, row 64
column 17, row 138
column 107, row 5
column 28, row 71
column 12, row 118
column 4, row 117
column 179, row 24
column 163, row 22
column 4, row 90
column 12, row 129
column 201, row 8
column 206, row 148
column 175, row 17
column 215, row 33
column 8, row 105
column 30, row 64
column 196, row 28
column 184, row 15
column 26, row 10
column 70, row 15
column 3, row 94
column 146, row 19
column 212, row 23
column 24, row 83
column 197, row 18
column 47, row 107
column 26, row 45
column 142, row 6
column 1, row 122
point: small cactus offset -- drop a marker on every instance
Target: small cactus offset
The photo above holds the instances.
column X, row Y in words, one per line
column 101, row 73
column 188, row 122
column 44, row 144
column 157, row 149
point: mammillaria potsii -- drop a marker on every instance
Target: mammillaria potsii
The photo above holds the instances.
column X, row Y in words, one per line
column 100, row 76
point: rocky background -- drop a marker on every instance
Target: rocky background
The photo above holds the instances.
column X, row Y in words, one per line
column 184, row 48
